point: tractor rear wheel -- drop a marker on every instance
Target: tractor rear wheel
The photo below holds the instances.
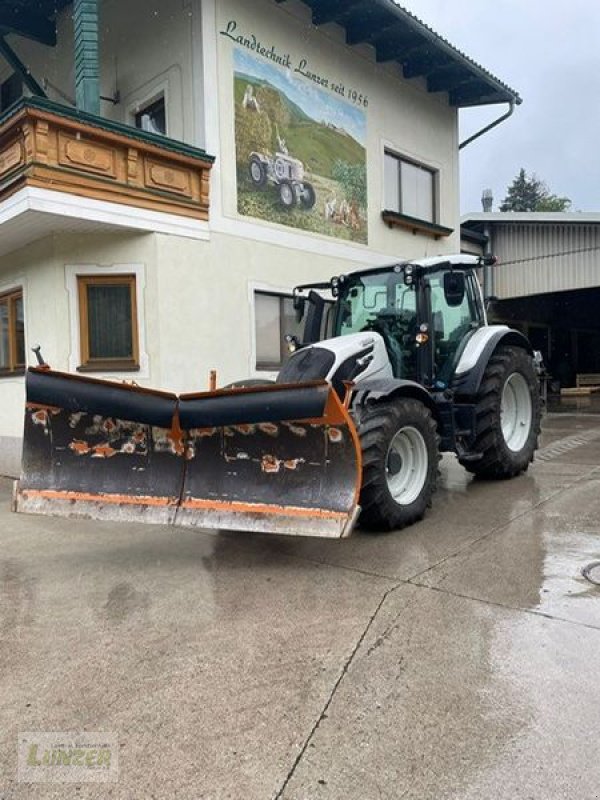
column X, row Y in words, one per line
column 258, row 172
column 400, row 450
column 308, row 196
column 507, row 414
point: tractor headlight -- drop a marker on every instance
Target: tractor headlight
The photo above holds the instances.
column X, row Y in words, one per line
column 292, row 343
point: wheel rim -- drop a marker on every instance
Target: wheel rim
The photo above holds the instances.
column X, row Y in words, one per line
column 516, row 412
column 256, row 172
column 287, row 194
column 406, row 465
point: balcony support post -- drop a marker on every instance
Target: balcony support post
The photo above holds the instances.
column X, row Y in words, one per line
column 87, row 69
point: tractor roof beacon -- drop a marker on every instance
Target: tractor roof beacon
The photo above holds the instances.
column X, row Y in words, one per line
column 409, row 349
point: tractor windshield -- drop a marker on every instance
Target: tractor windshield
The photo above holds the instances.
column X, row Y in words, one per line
column 380, row 301
column 365, row 297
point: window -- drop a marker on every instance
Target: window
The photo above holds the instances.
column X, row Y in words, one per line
column 11, row 90
column 108, row 322
column 12, row 333
column 153, row 117
column 274, row 318
column 410, row 188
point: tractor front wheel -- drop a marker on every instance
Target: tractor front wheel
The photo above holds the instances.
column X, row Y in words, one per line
column 287, row 195
column 400, row 450
column 507, row 414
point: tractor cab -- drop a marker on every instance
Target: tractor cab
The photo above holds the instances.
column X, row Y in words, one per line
column 424, row 312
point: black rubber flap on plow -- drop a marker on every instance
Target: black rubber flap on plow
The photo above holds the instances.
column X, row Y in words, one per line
column 281, row 459
column 278, row 459
column 100, row 449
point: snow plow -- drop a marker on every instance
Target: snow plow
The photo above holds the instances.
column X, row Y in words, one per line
column 281, row 459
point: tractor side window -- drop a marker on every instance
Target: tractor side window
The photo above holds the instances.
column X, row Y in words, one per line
column 450, row 325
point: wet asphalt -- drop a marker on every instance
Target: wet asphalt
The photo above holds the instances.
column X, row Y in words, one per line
column 455, row 659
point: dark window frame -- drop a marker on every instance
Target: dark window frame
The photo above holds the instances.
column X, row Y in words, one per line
column 87, row 363
column 158, row 100
column 431, row 171
column 15, row 367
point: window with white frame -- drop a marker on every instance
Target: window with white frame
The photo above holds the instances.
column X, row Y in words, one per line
column 108, row 332
column 410, row 188
column 274, row 318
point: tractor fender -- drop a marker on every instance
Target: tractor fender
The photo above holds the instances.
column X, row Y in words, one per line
column 477, row 353
column 380, row 390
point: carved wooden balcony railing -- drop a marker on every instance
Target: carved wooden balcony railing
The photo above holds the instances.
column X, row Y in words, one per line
column 49, row 146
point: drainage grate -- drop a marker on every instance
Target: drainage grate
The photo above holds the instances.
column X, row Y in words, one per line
column 592, row 572
column 565, row 445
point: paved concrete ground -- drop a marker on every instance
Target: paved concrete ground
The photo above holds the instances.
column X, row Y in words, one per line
column 456, row 659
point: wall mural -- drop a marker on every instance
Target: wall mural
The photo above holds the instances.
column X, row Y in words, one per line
column 300, row 148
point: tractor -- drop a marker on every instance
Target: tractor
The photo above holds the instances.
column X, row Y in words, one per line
column 396, row 365
column 286, row 173
column 412, row 355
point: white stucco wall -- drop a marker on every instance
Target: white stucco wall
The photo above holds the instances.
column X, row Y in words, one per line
column 401, row 115
column 196, row 296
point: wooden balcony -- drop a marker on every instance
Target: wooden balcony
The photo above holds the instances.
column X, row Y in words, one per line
column 47, row 146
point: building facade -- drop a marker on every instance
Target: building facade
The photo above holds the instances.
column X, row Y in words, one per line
column 170, row 170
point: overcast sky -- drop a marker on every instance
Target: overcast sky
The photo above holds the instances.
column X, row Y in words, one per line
column 548, row 51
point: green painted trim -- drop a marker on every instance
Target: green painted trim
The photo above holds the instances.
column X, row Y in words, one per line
column 42, row 104
column 87, row 65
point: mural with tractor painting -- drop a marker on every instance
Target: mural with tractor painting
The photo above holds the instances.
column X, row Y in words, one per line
column 300, row 152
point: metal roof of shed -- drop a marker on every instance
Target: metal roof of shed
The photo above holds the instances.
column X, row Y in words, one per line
column 398, row 35
column 476, row 218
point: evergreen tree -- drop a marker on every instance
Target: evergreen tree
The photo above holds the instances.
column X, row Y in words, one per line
column 529, row 193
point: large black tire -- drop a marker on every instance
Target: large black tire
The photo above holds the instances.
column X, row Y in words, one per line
column 506, row 450
column 258, row 172
column 308, row 196
column 287, row 195
column 386, row 430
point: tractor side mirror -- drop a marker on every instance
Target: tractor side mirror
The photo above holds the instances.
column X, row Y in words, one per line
column 454, row 288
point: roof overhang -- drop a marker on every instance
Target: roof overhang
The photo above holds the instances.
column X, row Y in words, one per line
column 397, row 35
column 33, row 19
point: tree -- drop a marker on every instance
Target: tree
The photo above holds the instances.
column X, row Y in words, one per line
column 529, row 193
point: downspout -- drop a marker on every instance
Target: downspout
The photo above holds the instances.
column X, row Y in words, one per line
column 87, row 70
column 489, row 279
column 509, row 113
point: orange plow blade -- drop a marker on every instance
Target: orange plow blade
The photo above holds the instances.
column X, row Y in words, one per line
column 275, row 459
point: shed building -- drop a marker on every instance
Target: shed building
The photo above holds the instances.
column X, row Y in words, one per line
column 547, row 282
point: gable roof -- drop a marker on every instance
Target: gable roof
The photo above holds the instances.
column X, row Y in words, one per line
column 398, row 35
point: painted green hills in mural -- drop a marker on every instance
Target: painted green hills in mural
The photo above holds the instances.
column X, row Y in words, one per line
column 315, row 143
